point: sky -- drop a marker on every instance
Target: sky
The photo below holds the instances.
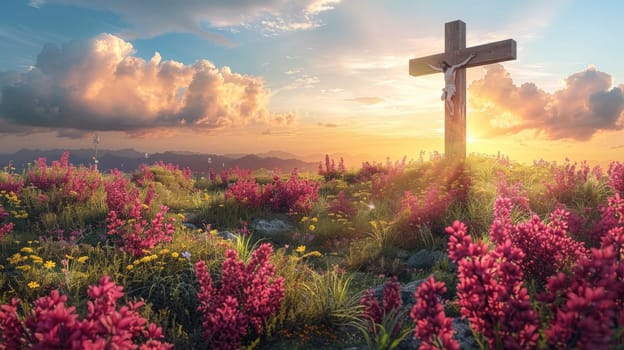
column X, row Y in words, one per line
column 307, row 77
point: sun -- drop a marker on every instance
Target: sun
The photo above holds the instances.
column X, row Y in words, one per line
column 471, row 139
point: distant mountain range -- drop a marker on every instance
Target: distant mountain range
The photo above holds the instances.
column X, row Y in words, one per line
column 129, row 160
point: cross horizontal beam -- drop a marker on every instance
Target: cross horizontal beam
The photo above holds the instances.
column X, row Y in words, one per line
column 499, row 51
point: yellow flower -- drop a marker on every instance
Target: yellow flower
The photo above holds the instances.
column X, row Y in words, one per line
column 33, row 285
column 145, row 206
column 300, row 249
column 181, row 216
column 129, row 267
column 206, row 197
column 49, row 264
column 175, row 255
column 314, row 253
column 15, row 258
column 36, row 259
column 82, row 259
column 314, row 219
column 27, row 250
column 164, row 251
column 214, row 232
column 69, row 257
column 145, row 259
column 311, row 228
column 23, row 267
column 304, row 219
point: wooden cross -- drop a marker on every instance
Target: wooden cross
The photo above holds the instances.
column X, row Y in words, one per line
column 455, row 51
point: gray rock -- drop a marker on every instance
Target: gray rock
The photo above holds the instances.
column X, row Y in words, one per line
column 408, row 290
column 272, row 227
column 402, row 254
column 425, row 259
column 463, row 334
column 227, row 235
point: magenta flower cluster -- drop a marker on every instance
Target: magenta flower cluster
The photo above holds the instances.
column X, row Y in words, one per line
column 616, row 177
column 5, row 228
column 228, row 175
column 612, row 216
column 51, row 324
column 433, row 328
column 382, row 178
column 129, row 218
column 295, row 194
column 342, row 205
column 567, row 178
column 426, row 209
column 582, row 305
column 11, row 184
column 491, row 292
column 331, row 171
column 546, row 247
column 72, row 183
column 248, row 295
column 587, row 306
column 391, row 302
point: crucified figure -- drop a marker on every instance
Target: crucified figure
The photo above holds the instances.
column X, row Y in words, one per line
column 449, row 80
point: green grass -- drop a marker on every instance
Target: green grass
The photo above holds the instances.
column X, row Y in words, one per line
column 343, row 254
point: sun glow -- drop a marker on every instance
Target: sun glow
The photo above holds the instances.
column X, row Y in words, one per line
column 471, row 139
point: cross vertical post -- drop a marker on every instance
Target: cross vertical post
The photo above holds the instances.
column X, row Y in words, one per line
column 455, row 52
column 455, row 125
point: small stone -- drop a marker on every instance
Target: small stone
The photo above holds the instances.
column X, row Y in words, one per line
column 425, row 259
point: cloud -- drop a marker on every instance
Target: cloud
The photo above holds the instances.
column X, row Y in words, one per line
column 366, row 100
column 155, row 17
column 327, row 125
column 303, row 81
column 283, row 119
column 588, row 104
column 99, row 85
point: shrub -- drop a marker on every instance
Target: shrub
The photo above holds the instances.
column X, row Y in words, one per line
column 65, row 183
column 129, row 220
column 587, row 307
column 331, row 172
column 342, row 205
column 11, row 183
column 546, row 248
column 295, row 194
column 247, row 296
column 51, row 324
column 426, row 209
